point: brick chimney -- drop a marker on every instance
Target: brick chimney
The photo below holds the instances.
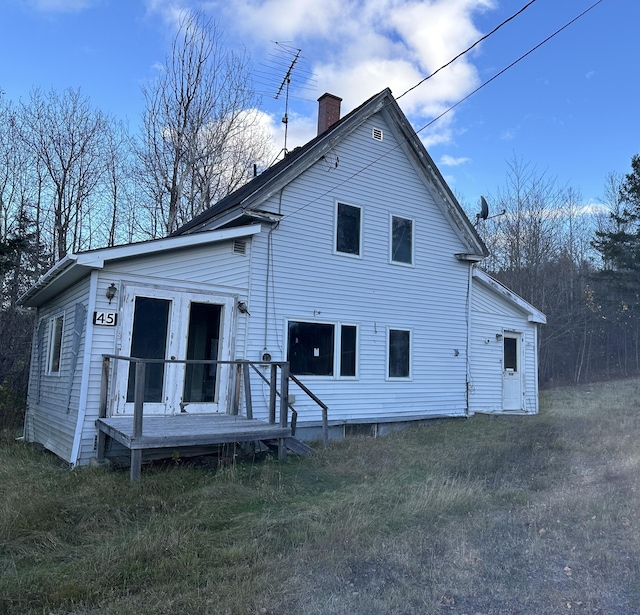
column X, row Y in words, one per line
column 328, row 111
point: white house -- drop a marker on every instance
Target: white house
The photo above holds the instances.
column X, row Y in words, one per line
column 350, row 259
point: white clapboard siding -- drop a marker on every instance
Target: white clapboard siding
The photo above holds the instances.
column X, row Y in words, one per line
column 308, row 282
column 206, row 268
column 52, row 415
column 492, row 314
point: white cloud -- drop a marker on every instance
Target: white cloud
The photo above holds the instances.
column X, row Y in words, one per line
column 356, row 49
column 450, row 161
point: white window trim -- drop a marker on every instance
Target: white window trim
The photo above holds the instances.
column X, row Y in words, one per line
column 50, row 347
column 388, row 356
column 337, row 348
column 334, row 239
column 338, row 351
column 413, row 240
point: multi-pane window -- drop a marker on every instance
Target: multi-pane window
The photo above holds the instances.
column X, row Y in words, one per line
column 312, row 349
column 348, row 229
column 401, row 240
column 56, row 329
column 399, row 353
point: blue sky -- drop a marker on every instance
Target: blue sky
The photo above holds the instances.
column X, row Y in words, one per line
column 569, row 109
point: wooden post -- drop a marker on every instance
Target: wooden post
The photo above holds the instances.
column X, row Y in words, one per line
column 138, row 406
column 102, row 410
column 104, row 387
column 238, row 384
column 284, row 408
column 273, row 394
column 246, row 376
column 325, row 427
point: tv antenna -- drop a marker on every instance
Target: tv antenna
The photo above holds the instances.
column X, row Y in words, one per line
column 286, row 82
column 298, row 81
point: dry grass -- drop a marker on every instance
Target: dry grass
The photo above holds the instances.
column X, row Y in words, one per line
column 507, row 515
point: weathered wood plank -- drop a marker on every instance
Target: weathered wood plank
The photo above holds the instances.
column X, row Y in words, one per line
column 189, row 430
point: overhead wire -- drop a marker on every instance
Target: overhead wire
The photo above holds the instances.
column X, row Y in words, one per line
column 435, row 119
column 468, row 49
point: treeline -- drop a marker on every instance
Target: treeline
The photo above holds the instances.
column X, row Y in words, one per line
column 73, row 178
column 578, row 263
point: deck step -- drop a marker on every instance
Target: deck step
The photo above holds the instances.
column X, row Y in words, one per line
column 295, row 446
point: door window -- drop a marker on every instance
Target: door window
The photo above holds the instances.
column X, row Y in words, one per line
column 149, row 341
column 203, row 339
column 511, row 354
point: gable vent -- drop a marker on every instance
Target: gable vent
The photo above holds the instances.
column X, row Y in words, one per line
column 377, row 134
column 239, row 246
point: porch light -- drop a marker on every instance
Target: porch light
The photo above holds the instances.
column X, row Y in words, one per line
column 498, row 336
column 111, row 292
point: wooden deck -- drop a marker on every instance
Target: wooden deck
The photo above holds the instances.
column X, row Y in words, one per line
column 190, row 430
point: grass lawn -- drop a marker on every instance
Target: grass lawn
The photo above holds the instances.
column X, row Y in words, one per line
column 528, row 515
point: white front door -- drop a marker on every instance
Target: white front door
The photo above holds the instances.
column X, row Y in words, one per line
column 170, row 324
column 512, row 371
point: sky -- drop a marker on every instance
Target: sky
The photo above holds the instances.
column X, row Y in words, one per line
column 568, row 111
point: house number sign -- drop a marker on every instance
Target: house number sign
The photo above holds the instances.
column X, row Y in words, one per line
column 107, row 319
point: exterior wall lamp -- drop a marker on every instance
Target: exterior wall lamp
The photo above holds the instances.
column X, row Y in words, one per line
column 111, row 292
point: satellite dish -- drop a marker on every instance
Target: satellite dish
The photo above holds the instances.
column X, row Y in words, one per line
column 484, row 209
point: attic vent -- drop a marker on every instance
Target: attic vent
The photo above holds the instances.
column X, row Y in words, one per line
column 239, row 247
column 377, row 134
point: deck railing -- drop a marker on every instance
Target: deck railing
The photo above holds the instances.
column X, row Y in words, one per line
column 242, row 384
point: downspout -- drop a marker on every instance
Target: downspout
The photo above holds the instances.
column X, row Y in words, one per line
column 268, row 273
column 468, row 349
column 86, row 368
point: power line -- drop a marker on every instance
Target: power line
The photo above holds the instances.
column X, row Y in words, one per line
column 435, row 119
column 506, row 68
column 486, row 36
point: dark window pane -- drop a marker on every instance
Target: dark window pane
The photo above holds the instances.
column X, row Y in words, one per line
column 202, row 343
column 401, row 240
column 56, row 344
column 347, row 351
column 399, row 353
column 149, row 341
column 348, row 229
column 311, row 347
column 511, row 353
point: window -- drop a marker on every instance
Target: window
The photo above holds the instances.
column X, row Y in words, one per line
column 312, row 349
column 399, row 354
column 348, row 346
column 510, row 353
column 401, row 240
column 348, row 229
column 56, row 329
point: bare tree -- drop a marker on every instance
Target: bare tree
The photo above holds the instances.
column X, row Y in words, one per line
column 201, row 126
column 66, row 139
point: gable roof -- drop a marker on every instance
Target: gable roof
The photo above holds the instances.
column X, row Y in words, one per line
column 243, row 204
column 533, row 313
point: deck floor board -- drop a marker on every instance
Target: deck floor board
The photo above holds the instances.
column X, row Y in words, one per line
column 189, row 430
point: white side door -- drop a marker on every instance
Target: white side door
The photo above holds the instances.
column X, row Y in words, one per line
column 512, row 371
